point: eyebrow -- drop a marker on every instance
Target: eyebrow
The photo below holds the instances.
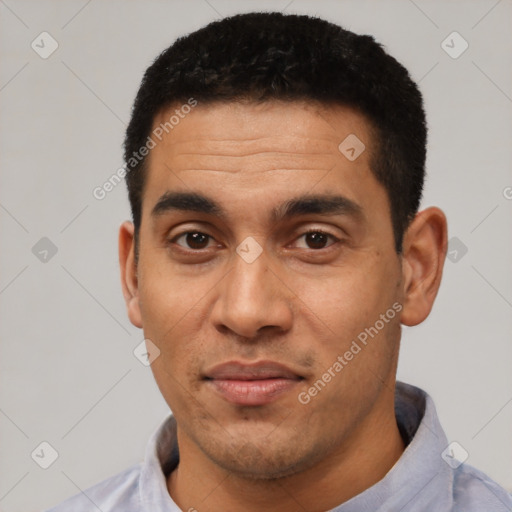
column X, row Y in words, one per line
column 319, row 204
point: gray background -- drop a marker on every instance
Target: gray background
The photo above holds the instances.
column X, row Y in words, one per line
column 67, row 369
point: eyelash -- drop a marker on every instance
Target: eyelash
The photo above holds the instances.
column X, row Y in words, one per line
column 198, row 251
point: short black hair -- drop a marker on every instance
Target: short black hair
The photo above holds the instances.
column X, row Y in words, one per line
column 264, row 56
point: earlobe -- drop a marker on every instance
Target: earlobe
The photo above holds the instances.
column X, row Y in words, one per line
column 424, row 252
column 128, row 267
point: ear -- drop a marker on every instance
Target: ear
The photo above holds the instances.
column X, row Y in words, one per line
column 128, row 266
column 424, row 252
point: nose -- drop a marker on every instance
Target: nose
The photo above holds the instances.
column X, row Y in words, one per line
column 252, row 298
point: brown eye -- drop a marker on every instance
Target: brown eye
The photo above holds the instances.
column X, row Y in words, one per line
column 317, row 239
column 194, row 240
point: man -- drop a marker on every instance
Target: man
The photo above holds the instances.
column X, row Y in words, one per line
column 275, row 167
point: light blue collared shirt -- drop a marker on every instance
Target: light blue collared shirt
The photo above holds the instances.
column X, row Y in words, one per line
column 422, row 480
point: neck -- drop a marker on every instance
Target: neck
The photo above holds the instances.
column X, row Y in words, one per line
column 363, row 459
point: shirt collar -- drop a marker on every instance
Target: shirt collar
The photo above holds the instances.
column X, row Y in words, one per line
column 420, row 479
column 160, row 459
column 410, row 481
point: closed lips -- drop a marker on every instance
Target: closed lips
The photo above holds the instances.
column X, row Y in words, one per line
column 256, row 384
column 255, row 371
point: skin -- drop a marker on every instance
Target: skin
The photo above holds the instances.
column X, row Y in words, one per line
column 298, row 304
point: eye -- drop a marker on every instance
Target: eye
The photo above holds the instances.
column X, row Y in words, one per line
column 316, row 239
column 194, row 240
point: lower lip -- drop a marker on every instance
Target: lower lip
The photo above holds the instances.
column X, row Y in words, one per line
column 252, row 392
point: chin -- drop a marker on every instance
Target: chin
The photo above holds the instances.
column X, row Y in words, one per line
column 269, row 457
column 251, row 463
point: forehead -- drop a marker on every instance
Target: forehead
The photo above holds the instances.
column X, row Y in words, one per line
column 298, row 127
column 236, row 150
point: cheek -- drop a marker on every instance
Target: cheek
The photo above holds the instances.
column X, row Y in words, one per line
column 345, row 320
column 171, row 307
column 349, row 301
column 172, row 321
column 172, row 373
column 167, row 293
column 357, row 350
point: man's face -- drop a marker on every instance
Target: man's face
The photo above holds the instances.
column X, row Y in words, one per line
column 246, row 284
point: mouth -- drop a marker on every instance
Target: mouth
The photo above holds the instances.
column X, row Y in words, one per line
column 251, row 384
